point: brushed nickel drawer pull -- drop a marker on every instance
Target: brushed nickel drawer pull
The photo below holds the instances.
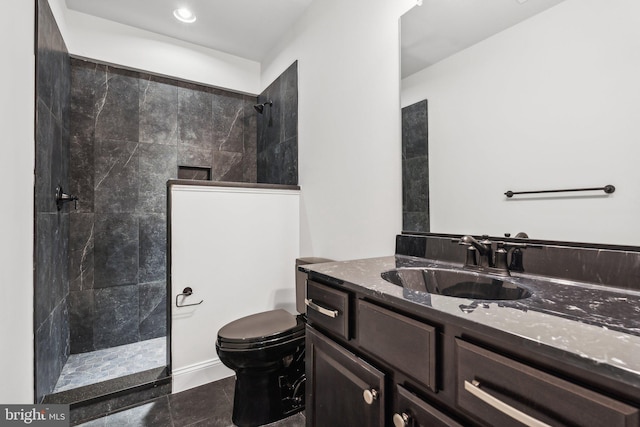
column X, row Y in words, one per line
column 474, row 388
column 329, row 313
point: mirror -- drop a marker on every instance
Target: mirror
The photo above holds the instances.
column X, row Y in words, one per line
column 526, row 96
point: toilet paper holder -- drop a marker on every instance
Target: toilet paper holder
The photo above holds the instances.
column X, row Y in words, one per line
column 185, row 293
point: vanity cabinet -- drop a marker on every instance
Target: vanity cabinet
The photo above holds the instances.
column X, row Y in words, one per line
column 348, row 340
column 372, row 363
column 344, row 390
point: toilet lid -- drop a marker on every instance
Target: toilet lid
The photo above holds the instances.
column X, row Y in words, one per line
column 260, row 325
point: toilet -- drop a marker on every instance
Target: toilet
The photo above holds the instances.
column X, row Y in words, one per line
column 266, row 351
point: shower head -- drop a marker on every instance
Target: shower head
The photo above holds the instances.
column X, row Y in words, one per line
column 260, row 107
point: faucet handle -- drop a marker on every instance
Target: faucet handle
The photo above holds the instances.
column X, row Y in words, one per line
column 501, row 257
column 470, row 256
column 515, row 249
column 502, row 251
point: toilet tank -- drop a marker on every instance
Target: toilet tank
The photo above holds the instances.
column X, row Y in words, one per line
column 301, row 281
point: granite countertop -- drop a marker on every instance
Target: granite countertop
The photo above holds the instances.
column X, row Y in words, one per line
column 597, row 327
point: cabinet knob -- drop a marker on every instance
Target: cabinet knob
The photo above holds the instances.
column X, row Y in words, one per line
column 401, row 420
column 370, row 396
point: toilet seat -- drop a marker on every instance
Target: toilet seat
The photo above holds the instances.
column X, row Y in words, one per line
column 260, row 330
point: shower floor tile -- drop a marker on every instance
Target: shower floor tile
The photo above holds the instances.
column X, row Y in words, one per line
column 101, row 365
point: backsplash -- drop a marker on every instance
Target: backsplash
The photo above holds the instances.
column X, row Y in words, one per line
column 599, row 264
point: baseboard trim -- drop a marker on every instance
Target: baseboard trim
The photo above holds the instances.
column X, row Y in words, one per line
column 199, row 374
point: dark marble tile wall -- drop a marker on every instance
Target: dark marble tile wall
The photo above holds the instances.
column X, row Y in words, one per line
column 51, row 281
column 130, row 132
column 600, row 264
column 415, row 167
column 277, row 161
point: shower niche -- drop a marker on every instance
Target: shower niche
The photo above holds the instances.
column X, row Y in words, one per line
column 194, row 173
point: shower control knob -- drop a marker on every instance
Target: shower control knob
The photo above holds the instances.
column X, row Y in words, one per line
column 370, row 396
column 401, row 420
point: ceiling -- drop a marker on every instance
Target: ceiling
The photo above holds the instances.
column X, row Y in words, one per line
column 440, row 28
column 251, row 28
column 245, row 28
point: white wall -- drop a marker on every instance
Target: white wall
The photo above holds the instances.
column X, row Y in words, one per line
column 236, row 248
column 107, row 41
column 17, row 85
column 348, row 125
column 550, row 103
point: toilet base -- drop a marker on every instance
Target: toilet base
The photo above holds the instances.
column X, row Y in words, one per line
column 263, row 398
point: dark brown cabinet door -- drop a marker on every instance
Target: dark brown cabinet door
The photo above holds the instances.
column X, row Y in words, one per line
column 342, row 390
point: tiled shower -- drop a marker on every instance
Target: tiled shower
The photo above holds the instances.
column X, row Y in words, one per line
column 112, row 137
column 130, row 132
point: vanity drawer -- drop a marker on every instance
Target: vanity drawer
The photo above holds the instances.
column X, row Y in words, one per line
column 328, row 308
column 415, row 412
column 500, row 391
column 404, row 343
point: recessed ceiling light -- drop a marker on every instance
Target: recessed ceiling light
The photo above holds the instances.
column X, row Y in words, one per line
column 184, row 15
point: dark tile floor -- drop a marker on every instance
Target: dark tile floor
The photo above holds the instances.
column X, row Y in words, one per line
column 209, row 405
